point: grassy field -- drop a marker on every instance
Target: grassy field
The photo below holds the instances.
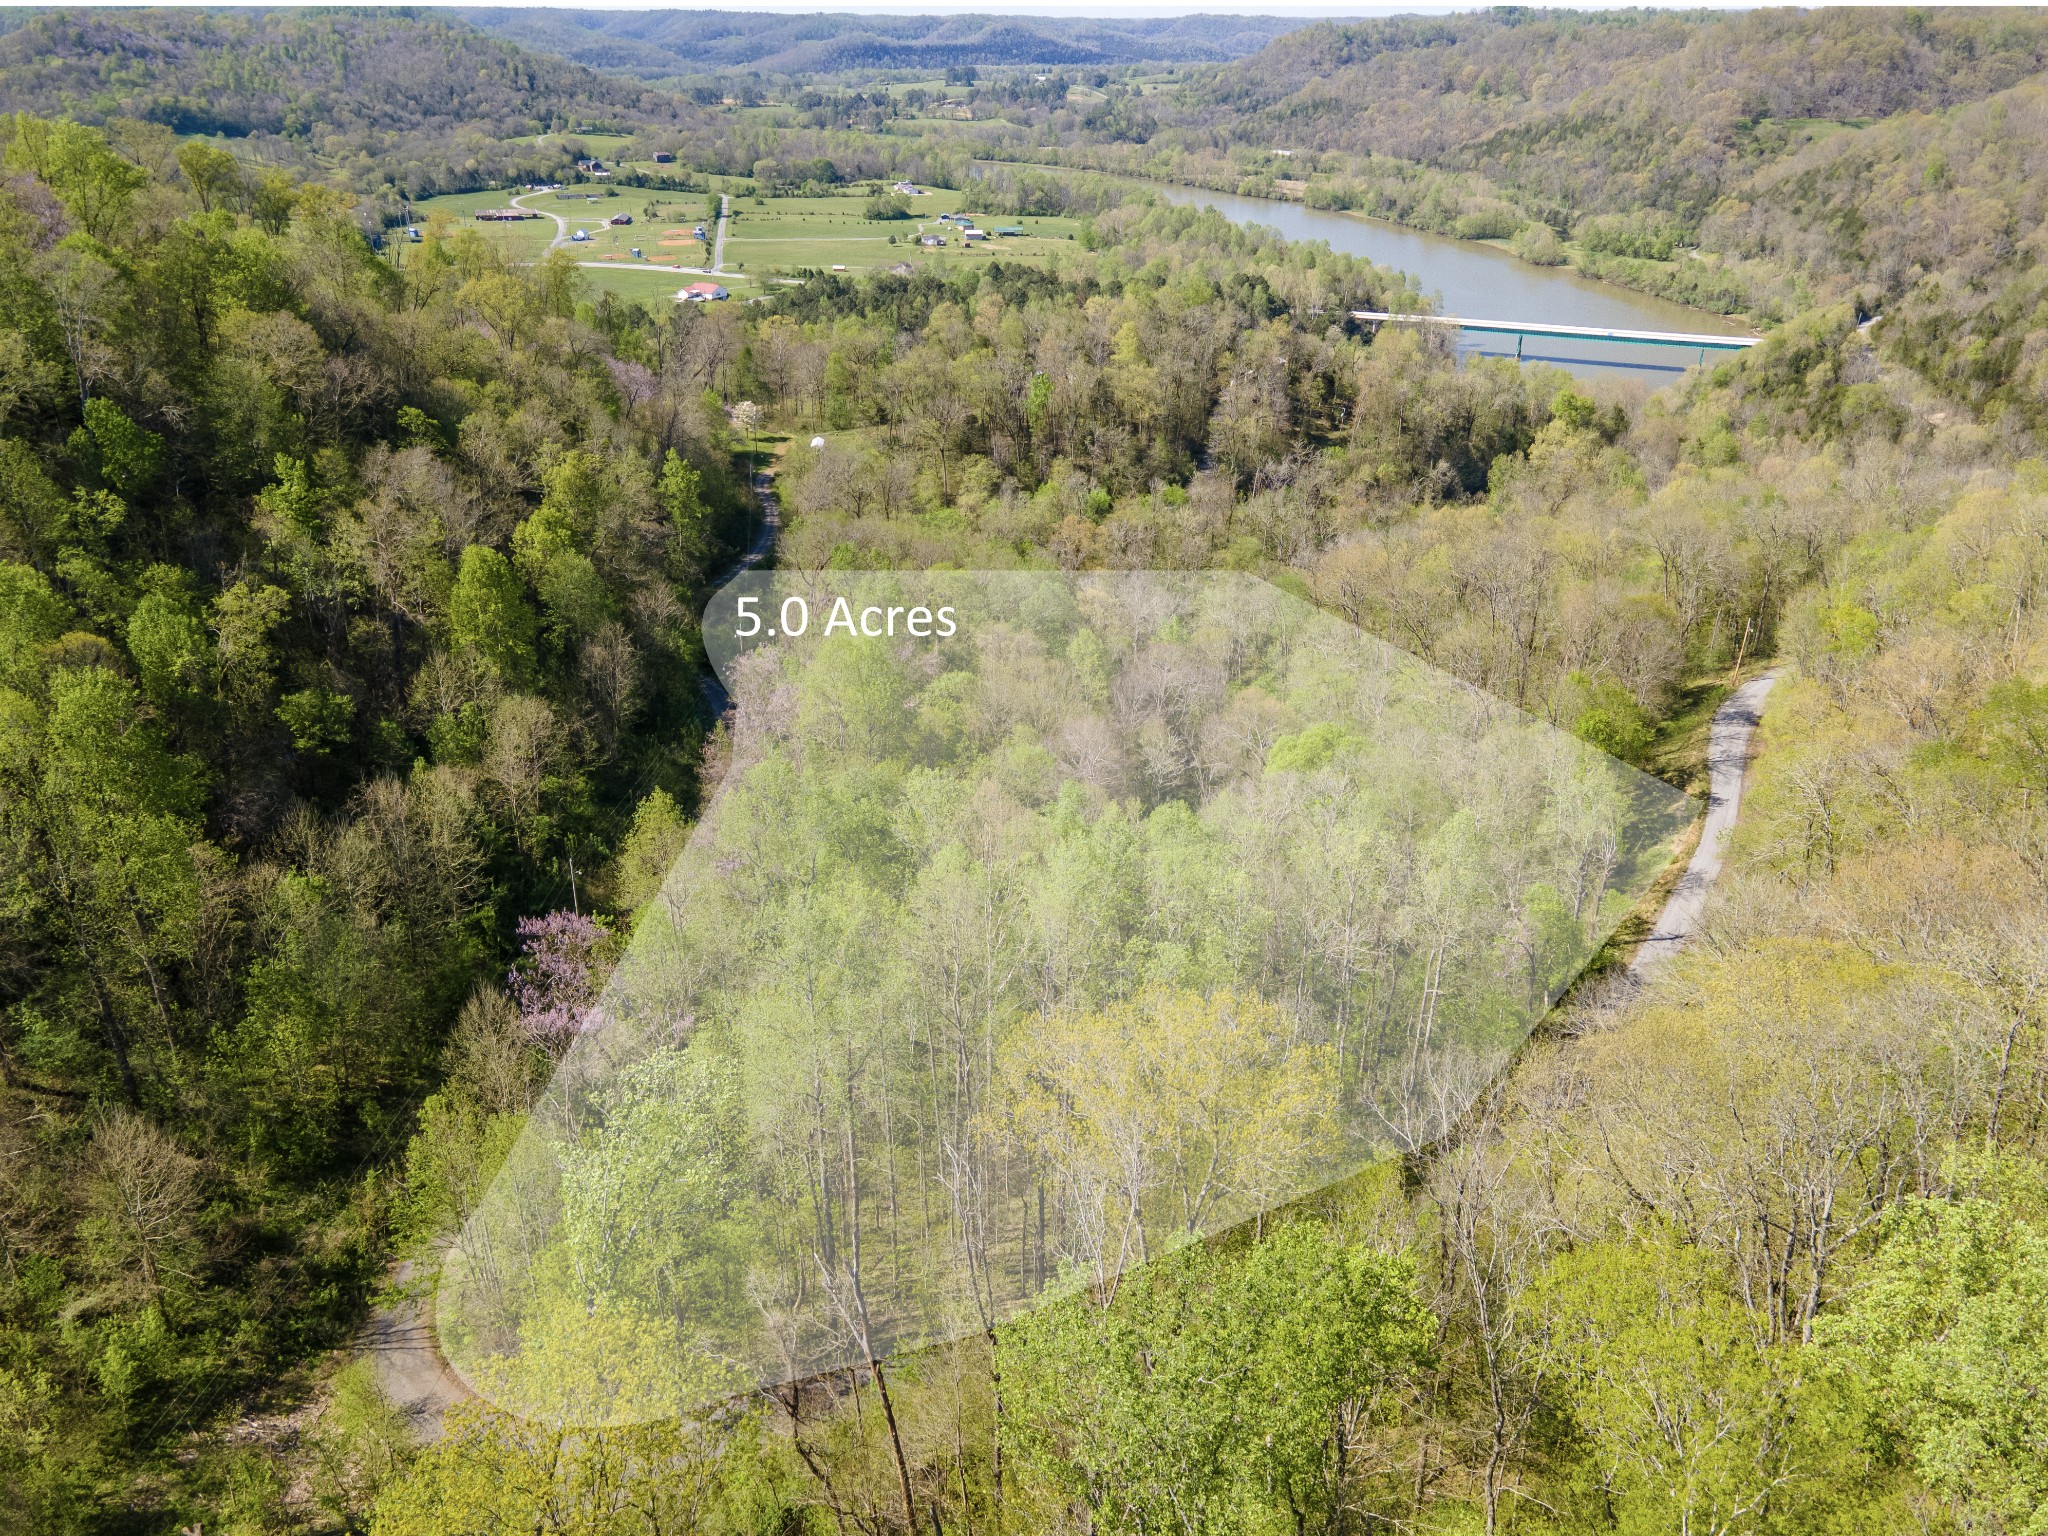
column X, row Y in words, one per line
column 788, row 234
column 767, row 237
column 653, row 288
column 661, row 227
column 602, row 145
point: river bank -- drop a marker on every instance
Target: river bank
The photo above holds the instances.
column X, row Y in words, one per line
column 1486, row 282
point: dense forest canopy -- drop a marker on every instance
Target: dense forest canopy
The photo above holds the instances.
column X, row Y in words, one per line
column 354, row 714
column 427, row 103
column 946, row 893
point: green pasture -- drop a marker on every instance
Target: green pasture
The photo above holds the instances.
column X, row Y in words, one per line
column 654, row 289
column 656, row 215
column 766, row 236
column 792, row 233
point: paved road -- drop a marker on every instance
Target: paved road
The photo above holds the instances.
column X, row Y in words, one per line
column 561, row 224
column 563, row 233
column 647, row 266
column 1727, row 765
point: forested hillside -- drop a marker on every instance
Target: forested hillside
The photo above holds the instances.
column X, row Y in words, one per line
column 1768, row 163
column 1620, row 110
column 366, row 95
column 1753, row 1248
column 342, row 627
column 657, row 45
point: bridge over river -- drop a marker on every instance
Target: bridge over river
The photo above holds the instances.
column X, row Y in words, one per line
column 1704, row 342
column 1575, row 321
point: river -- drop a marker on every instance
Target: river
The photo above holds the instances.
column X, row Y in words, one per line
column 1483, row 282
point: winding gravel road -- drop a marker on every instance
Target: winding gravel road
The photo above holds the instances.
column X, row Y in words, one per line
column 399, row 1339
column 561, row 224
column 563, row 233
column 1727, row 766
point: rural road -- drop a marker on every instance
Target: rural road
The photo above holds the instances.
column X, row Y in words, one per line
column 771, row 526
column 715, row 696
column 415, row 1379
column 561, row 224
column 563, row 233
column 1727, row 765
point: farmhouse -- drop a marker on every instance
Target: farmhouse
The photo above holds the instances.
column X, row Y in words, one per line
column 701, row 293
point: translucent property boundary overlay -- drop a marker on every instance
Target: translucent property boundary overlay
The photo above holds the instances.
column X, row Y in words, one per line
column 1040, row 923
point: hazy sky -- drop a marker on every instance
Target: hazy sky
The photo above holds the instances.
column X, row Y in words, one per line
column 1305, row 8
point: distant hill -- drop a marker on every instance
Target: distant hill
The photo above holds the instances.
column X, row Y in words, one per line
column 360, row 78
column 663, row 44
column 1615, row 109
column 424, row 102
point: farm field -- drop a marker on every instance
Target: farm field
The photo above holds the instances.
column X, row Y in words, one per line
column 766, row 236
column 661, row 227
column 603, row 145
column 787, row 234
column 652, row 288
